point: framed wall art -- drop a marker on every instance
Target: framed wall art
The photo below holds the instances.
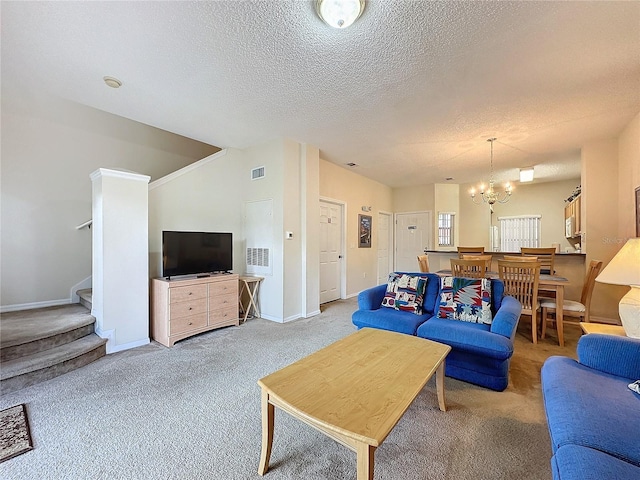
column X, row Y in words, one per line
column 364, row 228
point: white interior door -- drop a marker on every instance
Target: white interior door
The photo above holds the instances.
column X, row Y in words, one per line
column 330, row 251
column 385, row 247
column 413, row 234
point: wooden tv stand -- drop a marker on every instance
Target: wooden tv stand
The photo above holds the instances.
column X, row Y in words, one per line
column 184, row 307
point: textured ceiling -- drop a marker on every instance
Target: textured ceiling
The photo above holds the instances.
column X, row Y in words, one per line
column 410, row 92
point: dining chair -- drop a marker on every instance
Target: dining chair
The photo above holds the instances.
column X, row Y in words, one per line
column 519, row 258
column 572, row 308
column 468, row 268
column 423, row 263
column 521, row 281
column 485, row 258
column 546, row 256
column 470, row 251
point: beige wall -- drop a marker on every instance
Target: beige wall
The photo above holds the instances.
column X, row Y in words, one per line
column 310, row 231
column 447, row 200
column 212, row 196
column 198, row 201
column 610, row 174
column 628, row 177
column 356, row 191
column 545, row 199
column 475, row 221
column 600, row 218
column 414, row 199
column 49, row 149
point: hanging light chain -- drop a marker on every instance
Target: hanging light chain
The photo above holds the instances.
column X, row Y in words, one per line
column 490, row 196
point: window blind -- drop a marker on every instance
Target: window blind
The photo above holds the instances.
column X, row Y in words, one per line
column 520, row 231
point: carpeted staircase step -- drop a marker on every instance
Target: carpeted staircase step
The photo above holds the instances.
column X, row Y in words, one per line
column 86, row 297
column 38, row 367
column 30, row 331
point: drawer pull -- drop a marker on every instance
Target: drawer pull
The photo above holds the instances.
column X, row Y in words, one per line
column 190, row 293
column 190, row 323
column 190, row 308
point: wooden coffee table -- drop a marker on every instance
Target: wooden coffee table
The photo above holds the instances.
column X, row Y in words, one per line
column 354, row 391
column 605, row 328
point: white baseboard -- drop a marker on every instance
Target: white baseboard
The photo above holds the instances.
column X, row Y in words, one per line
column 73, row 298
column 127, row 346
column 352, row 295
column 312, row 314
column 29, row 306
column 273, row 319
column 108, row 334
column 280, row 320
column 111, row 341
column 86, row 283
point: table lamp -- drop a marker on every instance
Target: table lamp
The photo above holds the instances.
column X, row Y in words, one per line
column 624, row 269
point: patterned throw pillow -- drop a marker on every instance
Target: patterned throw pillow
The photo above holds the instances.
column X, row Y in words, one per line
column 405, row 292
column 466, row 299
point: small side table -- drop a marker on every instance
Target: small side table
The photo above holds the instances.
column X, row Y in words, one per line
column 607, row 329
column 249, row 284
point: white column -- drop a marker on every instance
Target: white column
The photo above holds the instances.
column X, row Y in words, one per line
column 120, row 259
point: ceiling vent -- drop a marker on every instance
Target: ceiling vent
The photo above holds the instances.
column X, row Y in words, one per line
column 257, row 173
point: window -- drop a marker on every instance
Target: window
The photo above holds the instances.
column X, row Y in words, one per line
column 517, row 232
column 445, row 229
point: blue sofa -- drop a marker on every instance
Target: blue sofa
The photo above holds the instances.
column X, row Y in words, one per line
column 593, row 417
column 480, row 354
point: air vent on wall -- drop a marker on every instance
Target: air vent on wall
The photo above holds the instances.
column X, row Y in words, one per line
column 257, row 173
column 257, row 257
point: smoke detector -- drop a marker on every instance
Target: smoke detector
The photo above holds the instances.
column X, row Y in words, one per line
column 112, row 82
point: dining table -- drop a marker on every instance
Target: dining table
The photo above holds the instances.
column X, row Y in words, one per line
column 546, row 282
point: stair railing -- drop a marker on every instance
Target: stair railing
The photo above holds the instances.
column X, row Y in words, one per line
column 85, row 224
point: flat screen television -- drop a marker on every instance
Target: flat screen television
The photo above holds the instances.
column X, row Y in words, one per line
column 200, row 253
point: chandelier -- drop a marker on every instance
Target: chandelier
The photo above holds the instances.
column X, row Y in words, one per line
column 490, row 195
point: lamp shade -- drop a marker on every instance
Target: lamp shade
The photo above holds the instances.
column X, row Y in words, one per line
column 624, row 268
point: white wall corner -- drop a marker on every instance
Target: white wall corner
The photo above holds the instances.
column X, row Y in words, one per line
column 86, row 283
column 187, row 169
column 271, row 318
column 127, row 346
column 108, row 334
column 112, row 347
column 119, row 173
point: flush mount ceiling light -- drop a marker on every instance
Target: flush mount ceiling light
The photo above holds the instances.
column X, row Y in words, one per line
column 112, row 82
column 526, row 174
column 339, row 13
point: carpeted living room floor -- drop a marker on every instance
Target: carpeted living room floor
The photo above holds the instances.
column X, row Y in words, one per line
column 193, row 412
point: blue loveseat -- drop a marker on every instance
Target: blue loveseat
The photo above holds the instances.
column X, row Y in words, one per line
column 593, row 417
column 480, row 354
